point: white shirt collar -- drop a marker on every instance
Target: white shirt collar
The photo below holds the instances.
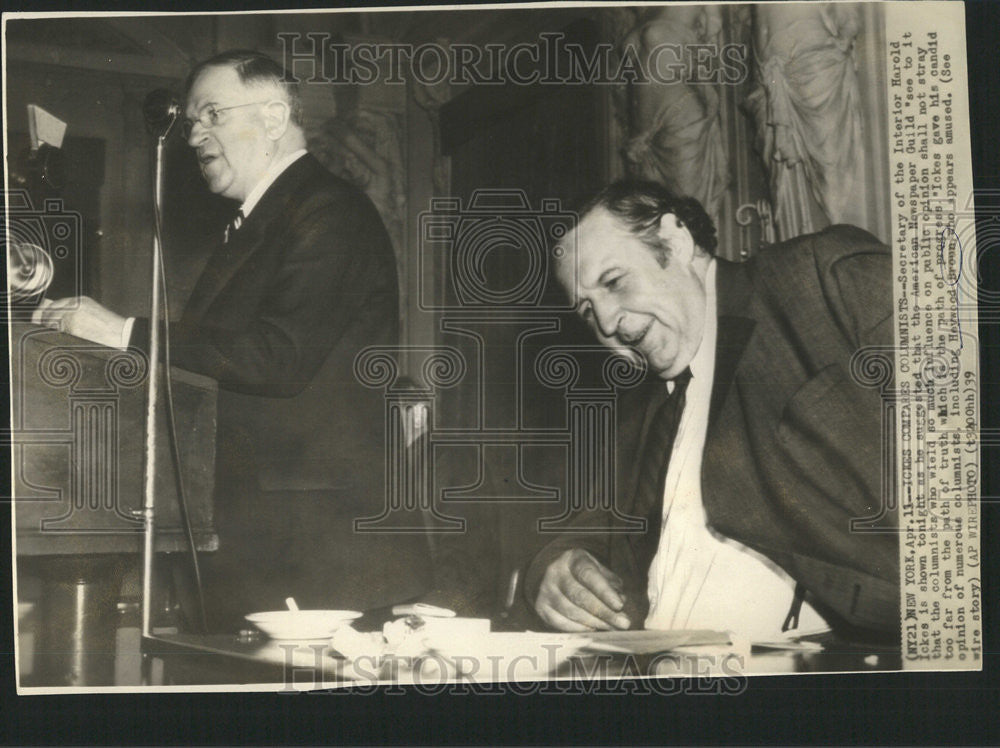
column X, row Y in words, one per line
column 268, row 179
column 703, row 363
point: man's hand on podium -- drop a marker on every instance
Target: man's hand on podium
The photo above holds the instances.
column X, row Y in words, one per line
column 85, row 318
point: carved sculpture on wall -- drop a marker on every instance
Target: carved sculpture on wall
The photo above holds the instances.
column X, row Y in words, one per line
column 617, row 22
column 365, row 147
column 431, row 98
column 676, row 134
column 806, row 107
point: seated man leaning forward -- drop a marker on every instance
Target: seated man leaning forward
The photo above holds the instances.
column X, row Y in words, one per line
column 749, row 449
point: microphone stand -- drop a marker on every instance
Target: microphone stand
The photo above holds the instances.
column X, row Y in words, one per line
column 153, row 394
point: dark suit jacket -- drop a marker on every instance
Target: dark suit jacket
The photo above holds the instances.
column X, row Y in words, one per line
column 794, row 443
column 277, row 317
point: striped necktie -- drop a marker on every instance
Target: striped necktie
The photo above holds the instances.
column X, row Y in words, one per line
column 653, row 467
column 233, row 225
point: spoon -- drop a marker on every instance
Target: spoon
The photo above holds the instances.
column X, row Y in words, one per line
column 292, row 605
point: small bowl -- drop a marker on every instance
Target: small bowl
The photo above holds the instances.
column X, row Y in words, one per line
column 301, row 625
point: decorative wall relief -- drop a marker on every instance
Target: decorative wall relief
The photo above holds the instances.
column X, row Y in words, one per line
column 365, row 147
column 806, row 106
column 676, row 135
column 431, row 98
column 617, row 23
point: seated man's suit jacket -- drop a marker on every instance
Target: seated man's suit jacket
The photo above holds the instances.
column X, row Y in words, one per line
column 277, row 317
column 794, row 447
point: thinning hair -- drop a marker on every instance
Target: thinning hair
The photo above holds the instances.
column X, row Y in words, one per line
column 254, row 69
column 639, row 205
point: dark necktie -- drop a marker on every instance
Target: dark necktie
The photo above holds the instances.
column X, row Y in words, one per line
column 233, row 226
column 653, row 467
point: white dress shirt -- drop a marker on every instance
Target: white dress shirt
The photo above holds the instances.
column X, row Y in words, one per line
column 275, row 171
column 699, row 579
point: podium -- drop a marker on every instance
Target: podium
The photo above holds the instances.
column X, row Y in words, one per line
column 77, row 438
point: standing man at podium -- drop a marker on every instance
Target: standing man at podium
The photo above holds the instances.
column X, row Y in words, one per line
column 303, row 278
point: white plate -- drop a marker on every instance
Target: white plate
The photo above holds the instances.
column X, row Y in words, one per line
column 302, row 625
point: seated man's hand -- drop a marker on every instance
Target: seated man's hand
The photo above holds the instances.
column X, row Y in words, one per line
column 83, row 317
column 578, row 593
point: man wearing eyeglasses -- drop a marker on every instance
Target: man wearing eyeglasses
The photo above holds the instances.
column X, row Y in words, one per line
column 303, row 278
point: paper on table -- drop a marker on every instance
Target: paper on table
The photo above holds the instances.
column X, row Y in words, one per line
column 650, row 642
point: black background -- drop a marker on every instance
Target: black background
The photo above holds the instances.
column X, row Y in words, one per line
column 873, row 708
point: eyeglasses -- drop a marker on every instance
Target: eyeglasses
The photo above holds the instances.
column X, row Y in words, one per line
column 208, row 117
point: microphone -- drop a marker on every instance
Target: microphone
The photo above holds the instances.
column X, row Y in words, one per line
column 160, row 110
